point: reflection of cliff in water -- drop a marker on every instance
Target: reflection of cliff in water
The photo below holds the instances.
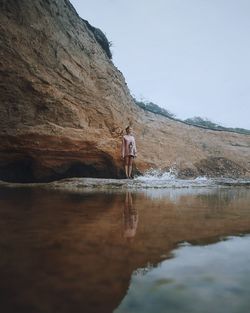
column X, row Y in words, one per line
column 224, row 197
column 66, row 252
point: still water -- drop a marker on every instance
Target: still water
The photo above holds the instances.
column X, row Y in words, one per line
column 166, row 250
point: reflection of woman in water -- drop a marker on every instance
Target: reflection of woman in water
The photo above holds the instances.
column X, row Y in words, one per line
column 128, row 151
column 130, row 217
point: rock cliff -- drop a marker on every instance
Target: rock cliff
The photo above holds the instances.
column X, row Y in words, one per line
column 64, row 105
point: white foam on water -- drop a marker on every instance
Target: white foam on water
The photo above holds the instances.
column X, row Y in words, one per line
column 160, row 179
column 201, row 179
column 156, row 175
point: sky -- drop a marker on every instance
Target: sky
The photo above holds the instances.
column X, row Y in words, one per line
column 191, row 57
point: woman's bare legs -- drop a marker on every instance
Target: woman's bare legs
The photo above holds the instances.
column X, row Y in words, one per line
column 130, row 166
column 126, row 165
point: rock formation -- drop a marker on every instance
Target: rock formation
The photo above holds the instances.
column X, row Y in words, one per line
column 64, row 105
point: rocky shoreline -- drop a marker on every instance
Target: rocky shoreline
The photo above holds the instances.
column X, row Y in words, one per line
column 86, row 184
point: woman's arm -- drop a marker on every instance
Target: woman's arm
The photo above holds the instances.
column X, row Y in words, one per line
column 135, row 150
column 123, row 148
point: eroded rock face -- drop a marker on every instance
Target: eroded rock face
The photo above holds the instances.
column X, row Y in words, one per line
column 64, row 105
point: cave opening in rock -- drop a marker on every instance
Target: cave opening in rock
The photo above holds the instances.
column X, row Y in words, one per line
column 20, row 171
column 79, row 169
column 28, row 170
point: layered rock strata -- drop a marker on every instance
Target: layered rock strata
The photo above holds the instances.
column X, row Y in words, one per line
column 64, row 106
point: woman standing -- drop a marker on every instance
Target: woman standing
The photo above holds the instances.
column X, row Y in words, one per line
column 128, row 151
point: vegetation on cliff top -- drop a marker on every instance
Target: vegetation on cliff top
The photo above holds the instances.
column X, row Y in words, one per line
column 152, row 107
column 100, row 38
column 199, row 121
column 195, row 121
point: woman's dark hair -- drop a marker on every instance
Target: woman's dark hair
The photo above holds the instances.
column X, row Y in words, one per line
column 127, row 128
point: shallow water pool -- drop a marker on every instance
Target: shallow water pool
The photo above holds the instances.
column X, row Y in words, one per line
column 161, row 250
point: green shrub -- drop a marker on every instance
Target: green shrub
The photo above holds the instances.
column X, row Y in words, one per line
column 100, row 38
column 152, row 107
column 194, row 121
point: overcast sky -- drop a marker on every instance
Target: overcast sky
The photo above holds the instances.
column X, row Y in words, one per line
column 191, row 57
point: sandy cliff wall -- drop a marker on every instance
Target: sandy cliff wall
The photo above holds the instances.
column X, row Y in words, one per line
column 64, row 105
